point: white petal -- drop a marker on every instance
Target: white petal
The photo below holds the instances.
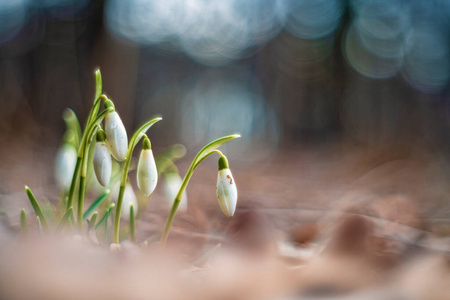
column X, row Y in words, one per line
column 147, row 175
column 173, row 183
column 116, row 136
column 226, row 192
column 102, row 163
column 66, row 160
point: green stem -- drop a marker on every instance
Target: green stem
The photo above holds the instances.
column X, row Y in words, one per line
column 81, row 160
column 138, row 134
column 73, row 184
column 201, row 155
column 81, row 202
column 118, row 210
column 132, row 225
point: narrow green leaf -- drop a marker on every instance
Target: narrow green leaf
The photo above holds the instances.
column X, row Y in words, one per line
column 98, row 84
column 23, row 222
column 91, row 222
column 132, row 225
column 104, row 217
column 139, row 133
column 64, row 219
column 37, row 208
column 72, row 124
column 94, row 205
column 205, row 151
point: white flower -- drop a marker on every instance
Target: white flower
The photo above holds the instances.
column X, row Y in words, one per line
column 147, row 175
column 66, row 160
column 226, row 190
column 102, row 163
column 116, row 136
column 173, row 183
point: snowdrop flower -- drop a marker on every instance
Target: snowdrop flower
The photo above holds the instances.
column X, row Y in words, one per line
column 66, row 160
column 226, row 190
column 173, row 183
column 115, row 134
column 147, row 175
column 102, row 159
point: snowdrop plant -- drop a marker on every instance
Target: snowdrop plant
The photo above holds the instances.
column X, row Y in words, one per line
column 75, row 157
column 124, row 175
column 201, row 156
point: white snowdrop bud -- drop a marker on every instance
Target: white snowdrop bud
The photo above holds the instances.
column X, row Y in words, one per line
column 115, row 134
column 102, row 159
column 147, row 175
column 226, row 190
column 66, row 160
column 172, row 185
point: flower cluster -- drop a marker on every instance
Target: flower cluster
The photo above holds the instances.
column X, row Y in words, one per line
column 111, row 159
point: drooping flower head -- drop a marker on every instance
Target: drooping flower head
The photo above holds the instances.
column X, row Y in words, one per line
column 102, row 159
column 147, row 175
column 226, row 190
column 115, row 134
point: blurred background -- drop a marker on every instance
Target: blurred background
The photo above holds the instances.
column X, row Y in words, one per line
column 279, row 72
column 312, row 76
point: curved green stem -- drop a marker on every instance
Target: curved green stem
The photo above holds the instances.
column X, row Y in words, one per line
column 81, row 161
column 201, row 155
column 138, row 134
column 85, row 157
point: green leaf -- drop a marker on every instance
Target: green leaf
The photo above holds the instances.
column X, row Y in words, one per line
column 72, row 124
column 205, row 151
column 37, row 208
column 91, row 222
column 94, row 205
column 23, row 222
column 139, row 133
column 105, row 217
column 98, row 84
column 64, row 219
column 132, row 225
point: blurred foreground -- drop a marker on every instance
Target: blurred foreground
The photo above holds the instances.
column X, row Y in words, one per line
column 332, row 222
